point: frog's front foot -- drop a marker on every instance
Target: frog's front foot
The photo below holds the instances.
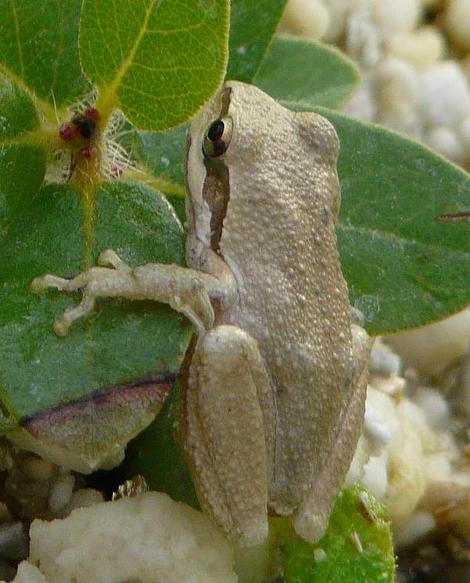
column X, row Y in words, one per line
column 186, row 290
column 92, row 283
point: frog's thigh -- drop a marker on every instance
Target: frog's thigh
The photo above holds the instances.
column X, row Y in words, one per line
column 226, row 432
column 311, row 518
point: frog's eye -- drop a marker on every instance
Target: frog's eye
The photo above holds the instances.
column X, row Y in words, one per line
column 217, row 138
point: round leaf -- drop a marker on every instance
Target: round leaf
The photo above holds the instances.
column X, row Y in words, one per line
column 157, row 60
column 122, row 341
column 304, row 74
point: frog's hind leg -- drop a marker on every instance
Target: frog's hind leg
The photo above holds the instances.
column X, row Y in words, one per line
column 311, row 518
column 228, row 432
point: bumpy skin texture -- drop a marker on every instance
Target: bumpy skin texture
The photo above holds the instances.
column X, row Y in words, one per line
column 276, row 386
column 279, row 240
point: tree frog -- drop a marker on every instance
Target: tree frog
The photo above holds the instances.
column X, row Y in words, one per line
column 275, row 388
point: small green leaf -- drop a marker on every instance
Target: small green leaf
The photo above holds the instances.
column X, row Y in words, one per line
column 404, row 267
column 253, row 24
column 38, row 49
column 121, row 341
column 22, row 161
column 357, row 547
column 302, row 74
column 157, row 60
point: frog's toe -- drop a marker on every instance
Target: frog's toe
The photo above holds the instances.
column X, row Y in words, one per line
column 63, row 323
column 110, row 258
column 41, row 284
column 311, row 527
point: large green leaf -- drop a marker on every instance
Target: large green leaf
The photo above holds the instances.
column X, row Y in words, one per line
column 357, row 547
column 123, row 341
column 22, row 160
column 253, row 24
column 404, row 267
column 302, row 74
column 157, row 60
column 38, row 49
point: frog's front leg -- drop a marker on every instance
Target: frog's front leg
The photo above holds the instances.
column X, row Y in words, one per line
column 228, row 432
column 186, row 290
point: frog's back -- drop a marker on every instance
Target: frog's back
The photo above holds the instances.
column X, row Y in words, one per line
column 279, row 239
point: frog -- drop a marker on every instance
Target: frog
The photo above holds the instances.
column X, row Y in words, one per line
column 276, row 381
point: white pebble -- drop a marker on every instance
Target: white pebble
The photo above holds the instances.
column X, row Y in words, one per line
column 446, row 141
column 437, row 467
column 361, row 103
column 375, row 476
column 432, row 348
column 307, row 18
column 28, row 573
column 464, row 132
column 457, row 22
column 397, row 93
column 394, row 16
column 444, row 94
column 392, row 385
column 363, row 38
column 421, row 48
column 61, row 493
column 434, row 406
column 145, row 538
column 338, row 13
column 419, row 525
column 376, row 426
column 383, row 360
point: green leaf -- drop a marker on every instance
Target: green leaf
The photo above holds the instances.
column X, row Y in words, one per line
column 162, row 154
column 38, row 50
column 157, row 60
column 302, row 74
column 253, row 24
column 22, row 160
column 122, row 341
column 357, row 547
column 157, row 455
column 404, row 267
